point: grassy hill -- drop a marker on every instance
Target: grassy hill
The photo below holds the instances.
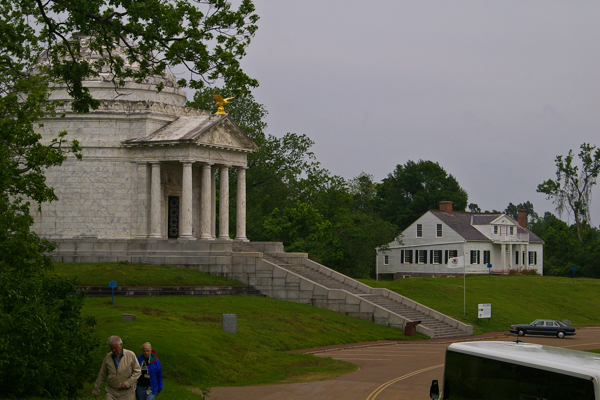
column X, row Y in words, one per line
column 188, row 336
column 515, row 298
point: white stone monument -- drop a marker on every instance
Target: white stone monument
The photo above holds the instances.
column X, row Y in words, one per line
column 148, row 169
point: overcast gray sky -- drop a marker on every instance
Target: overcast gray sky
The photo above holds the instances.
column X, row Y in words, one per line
column 492, row 90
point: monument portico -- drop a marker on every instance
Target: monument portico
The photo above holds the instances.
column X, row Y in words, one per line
column 182, row 161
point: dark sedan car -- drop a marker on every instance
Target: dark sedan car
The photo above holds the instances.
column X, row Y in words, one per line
column 543, row 327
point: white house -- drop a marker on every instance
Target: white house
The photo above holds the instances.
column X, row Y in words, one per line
column 428, row 244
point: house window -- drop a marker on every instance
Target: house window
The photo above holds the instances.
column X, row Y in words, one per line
column 475, row 256
column 533, row 258
column 487, row 257
column 439, row 230
column 495, row 230
column 386, row 260
column 401, row 256
column 516, row 258
column 511, row 230
column 419, row 230
column 450, row 254
column 408, row 256
column 422, row 254
column 436, row 256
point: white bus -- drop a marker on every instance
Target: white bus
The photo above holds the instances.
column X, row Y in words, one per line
column 517, row 371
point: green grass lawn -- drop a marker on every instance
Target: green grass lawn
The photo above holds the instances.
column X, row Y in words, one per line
column 187, row 331
column 132, row 274
column 194, row 350
column 515, row 299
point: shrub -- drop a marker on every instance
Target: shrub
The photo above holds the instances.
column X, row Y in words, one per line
column 46, row 346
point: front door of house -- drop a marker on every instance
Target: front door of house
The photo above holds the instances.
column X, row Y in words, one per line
column 173, row 217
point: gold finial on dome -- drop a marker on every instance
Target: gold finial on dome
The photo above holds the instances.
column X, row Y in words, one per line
column 221, row 104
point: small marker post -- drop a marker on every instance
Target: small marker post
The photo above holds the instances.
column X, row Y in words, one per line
column 113, row 285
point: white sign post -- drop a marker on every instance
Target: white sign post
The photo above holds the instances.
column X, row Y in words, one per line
column 484, row 310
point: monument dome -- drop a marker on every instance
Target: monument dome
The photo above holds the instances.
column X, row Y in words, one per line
column 103, row 87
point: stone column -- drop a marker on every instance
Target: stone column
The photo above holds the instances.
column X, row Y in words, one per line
column 205, row 203
column 155, row 201
column 141, row 211
column 224, row 203
column 186, row 202
column 213, row 202
column 240, row 233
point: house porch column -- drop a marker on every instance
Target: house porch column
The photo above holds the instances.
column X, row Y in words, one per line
column 503, row 256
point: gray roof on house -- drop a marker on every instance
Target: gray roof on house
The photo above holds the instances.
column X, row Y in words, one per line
column 483, row 219
column 462, row 223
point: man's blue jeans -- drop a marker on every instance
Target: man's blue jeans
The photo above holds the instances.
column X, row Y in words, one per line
column 140, row 393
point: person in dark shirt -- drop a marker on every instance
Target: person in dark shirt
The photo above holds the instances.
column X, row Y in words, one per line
column 150, row 382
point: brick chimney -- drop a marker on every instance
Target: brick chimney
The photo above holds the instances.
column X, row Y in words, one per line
column 446, row 206
column 522, row 214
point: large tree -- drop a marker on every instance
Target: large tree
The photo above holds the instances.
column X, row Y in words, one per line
column 42, row 332
column 572, row 188
column 563, row 250
column 414, row 188
column 292, row 199
column 513, row 211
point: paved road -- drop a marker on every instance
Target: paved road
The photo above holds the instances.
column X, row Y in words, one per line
column 395, row 371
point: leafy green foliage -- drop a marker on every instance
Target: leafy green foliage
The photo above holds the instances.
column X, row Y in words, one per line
column 292, row 199
column 413, row 189
column 42, row 333
column 513, row 211
column 563, row 250
column 572, row 188
column 45, row 344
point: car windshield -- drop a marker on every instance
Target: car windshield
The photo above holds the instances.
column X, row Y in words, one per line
column 560, row 323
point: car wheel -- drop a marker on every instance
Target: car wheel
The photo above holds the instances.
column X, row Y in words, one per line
column 521, row 332
column 560, row 335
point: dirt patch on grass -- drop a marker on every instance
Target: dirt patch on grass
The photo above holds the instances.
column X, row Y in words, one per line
column 154, row 312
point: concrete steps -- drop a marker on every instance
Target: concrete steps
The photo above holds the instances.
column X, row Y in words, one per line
column 442, row 330
column 313, row 275
column 143, row 291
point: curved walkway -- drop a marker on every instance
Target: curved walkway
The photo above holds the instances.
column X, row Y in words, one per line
column 388, row 370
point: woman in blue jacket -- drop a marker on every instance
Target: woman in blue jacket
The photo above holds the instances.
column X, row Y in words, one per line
column 150, row 382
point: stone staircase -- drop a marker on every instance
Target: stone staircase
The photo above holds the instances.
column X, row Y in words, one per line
column 313, row 275
column 439, row 328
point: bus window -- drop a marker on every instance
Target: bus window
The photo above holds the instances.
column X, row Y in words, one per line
column 469, row 377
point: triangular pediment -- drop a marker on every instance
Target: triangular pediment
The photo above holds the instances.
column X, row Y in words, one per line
column 205, row 130
column 504, row 220
column 225, row 134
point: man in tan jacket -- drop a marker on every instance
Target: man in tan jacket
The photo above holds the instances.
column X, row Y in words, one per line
column 120, row 369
